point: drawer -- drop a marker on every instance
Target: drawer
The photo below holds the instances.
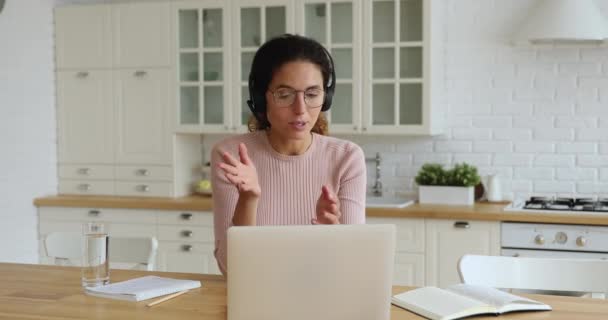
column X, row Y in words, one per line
column 186, row 218
column 86, row 171
column 144, row 189
column 96, row 187
column 186, row 233
column 144, row 173
column 114, row 229
column 96, row 214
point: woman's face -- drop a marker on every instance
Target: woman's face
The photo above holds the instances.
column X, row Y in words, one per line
column 296, row 120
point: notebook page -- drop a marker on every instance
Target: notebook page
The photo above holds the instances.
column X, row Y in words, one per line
column 146, row 287
column 489, row 295
column 435, row 303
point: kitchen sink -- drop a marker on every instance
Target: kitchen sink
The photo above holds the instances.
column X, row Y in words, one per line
column 387, row 202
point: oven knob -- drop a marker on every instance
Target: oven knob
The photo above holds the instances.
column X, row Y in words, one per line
column 581, row 241
column 539, row 239
column 561, row 237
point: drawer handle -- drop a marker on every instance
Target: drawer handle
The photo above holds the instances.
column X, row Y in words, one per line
column 94, row 213
column 186, row 216
column 139, row 73
column 142, row 172
column 84, row 171
column 187, row 247
column 142, row 188
column 461, row 225
column 187, row 233
column 84, row 187
column 82, row 74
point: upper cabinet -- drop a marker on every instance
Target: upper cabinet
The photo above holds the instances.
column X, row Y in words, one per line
column 403, row 66
column 141, row 35
column 88, row 45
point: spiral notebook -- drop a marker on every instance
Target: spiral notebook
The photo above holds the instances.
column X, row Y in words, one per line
column 143, row 288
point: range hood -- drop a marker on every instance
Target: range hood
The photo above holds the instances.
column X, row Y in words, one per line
column 563, row 21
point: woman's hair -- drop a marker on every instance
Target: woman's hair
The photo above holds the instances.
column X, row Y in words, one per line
column 271, row 56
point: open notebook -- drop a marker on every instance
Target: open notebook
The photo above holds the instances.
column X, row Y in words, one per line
column 462, row 300
column 142, row 288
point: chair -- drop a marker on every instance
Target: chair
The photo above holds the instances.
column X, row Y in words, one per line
column 65, row 248
column 524, row 273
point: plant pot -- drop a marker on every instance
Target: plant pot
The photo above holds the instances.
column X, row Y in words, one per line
column 446, row 195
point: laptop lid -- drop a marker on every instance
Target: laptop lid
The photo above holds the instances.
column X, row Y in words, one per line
column 310, row 272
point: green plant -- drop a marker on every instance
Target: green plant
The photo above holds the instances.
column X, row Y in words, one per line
column 462, row 175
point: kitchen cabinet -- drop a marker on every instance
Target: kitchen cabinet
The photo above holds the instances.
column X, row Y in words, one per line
column 409, row 268
column 141, row 34
column 118, row 115
column 185, row 239
column 448, row 240
column 87, row 46
column 215, row 47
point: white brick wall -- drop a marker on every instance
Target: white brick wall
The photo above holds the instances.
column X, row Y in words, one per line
column 27, row 124
column 536, row 115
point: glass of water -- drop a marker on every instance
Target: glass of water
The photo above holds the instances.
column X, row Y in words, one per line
column 95, row 252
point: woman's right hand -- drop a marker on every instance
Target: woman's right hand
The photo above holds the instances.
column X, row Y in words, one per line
column 241, row 173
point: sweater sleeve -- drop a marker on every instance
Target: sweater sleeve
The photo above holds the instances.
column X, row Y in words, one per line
column 225, row 196
column 353, row 184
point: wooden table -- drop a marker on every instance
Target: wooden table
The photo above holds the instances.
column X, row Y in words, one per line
column 50, row 292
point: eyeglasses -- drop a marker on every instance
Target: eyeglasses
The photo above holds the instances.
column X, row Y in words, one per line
column 285, row 97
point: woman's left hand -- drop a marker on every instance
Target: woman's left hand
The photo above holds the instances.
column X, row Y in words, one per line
column 328, row 208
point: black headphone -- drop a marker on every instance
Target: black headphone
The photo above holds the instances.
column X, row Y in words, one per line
column 257, row 100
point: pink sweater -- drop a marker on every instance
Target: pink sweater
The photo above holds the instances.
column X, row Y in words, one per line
column 291, row 185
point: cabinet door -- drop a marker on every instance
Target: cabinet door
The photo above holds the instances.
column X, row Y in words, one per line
column 85, row 116
column 255, row 22
column 203, row 60
column 409, row 269
column 192, row 257
column 336, row 24
column 448, row 240
column 396, row 55
column 83, row 37
column 141, row 34
column 142, row 109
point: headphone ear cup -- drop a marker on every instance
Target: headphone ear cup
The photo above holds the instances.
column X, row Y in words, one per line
column 329, row 95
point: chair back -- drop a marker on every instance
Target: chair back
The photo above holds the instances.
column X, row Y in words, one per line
column 525, row 273
column 65, row 248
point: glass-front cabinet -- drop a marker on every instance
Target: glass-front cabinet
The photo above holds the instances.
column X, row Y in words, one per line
column 256, row 21
column 400, row 42
column 337, row 25
column 202, row 65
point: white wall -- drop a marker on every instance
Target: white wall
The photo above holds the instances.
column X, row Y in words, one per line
column 27, row 123
column 538, row 116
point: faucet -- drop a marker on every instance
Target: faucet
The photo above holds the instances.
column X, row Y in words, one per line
column 377, row 187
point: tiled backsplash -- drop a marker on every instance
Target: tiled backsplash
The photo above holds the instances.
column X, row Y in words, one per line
column 538, row 116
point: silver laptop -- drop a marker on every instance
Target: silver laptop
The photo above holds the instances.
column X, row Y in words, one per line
column 310, row 272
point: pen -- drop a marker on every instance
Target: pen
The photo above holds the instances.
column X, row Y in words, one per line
column 165, row 298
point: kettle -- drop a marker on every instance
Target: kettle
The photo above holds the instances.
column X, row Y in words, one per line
column 491, row 185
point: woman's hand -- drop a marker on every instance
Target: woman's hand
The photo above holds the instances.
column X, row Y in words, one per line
column 241, row 173
column 328, row 208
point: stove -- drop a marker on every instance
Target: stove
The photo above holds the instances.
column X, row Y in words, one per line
column 561, row 205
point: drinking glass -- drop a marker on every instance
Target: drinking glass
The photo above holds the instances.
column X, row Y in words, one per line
column 95, row 252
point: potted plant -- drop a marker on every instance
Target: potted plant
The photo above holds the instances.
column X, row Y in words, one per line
column 453, row 186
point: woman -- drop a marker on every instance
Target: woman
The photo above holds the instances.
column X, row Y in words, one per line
column 286, row 171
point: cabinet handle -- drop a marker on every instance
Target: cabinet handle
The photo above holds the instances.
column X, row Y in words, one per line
column 461, row 225
column 82, row 74
column 94, row 213
column 142, row 188
column 142, row 172
column 355, row 128
column 226, row 128
column 186, row 216
column 187, row 233
column 139, row 73
column 233, row 128
column 84, row 171
column 187, row 247
column 84, row 187
column 364, row 129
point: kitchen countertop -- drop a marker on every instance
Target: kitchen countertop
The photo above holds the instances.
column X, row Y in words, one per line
column 480, row 211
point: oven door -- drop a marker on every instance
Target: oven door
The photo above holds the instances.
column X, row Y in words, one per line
column 553, row 254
